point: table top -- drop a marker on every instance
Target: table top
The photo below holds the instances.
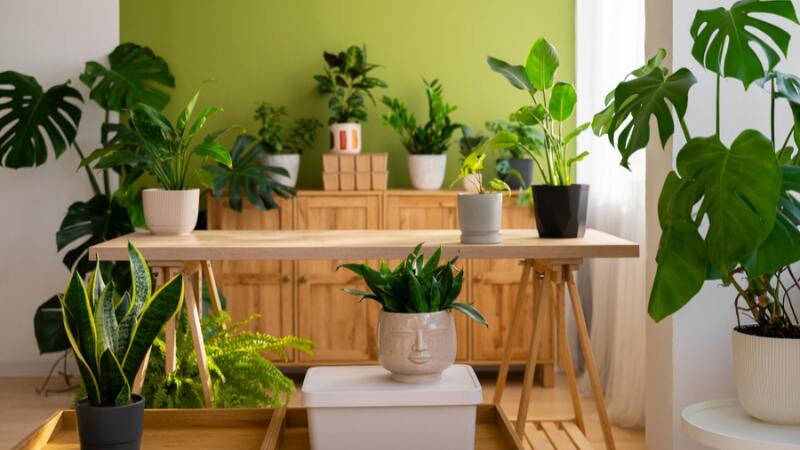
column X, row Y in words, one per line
column 229, row 245
column 723, row 424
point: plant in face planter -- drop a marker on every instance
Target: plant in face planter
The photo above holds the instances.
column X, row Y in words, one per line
column 467, row 145
column 426, row 144
column 729, row 211
column 559, row 205
column 347, row 80
column 515, row 165
column 110, row 336
column 480, row 213
column 416, row 331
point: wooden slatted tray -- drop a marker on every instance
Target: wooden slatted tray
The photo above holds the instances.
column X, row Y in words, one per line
column 558, row 435
column 241, row 429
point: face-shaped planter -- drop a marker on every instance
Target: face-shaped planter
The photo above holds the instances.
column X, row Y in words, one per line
column 416, row 348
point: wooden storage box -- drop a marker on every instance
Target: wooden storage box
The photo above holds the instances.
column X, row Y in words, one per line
column 362, row 172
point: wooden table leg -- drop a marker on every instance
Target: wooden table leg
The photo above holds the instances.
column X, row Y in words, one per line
column 191, row 291
column 502, row 374
column 588, row 356
column 566, row 352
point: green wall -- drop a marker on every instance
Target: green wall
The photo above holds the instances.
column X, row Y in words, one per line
column 270, row 49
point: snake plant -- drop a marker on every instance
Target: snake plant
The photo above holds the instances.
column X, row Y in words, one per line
column 111, row 334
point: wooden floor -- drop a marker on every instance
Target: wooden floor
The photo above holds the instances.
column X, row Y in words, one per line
column 21, row 409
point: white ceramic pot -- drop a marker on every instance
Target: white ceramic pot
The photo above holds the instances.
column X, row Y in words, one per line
column 480, row 217
column 416, row 348
column 290, row 162
column 171, row 212
column 766, row 371
column 345, row 138
column 427, row 171
column 472, row 182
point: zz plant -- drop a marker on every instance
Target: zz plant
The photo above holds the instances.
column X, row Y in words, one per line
column 300, row 136
column 347, row 80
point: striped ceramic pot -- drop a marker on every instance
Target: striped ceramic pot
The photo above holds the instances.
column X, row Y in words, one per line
column 345, row 138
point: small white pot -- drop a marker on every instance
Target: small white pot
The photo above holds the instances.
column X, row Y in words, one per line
column 171, row 212
column 416, row 348
column 345, row 138
column 766, row 371
column 427, row 171
column 472, row 182
column 290, row 162
column 480, row 217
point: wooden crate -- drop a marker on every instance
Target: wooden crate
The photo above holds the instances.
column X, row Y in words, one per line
column 361, row 172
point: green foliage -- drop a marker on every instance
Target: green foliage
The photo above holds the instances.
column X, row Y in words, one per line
column 472, row 164
column 301, row 135
column 110, row 335
column 241, row 375
column 415, row 286
column 530, row 139
column 469, row 142
column 347, row 80
column 433, row 138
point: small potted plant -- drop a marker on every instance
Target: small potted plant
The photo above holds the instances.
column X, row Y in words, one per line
column 347, row 81
column 515, row 166
column 480, row 213
column 468, row 143
column 426, row 144
column 284, row 152
column 110, row 337
column 416, row 331
column 559, row 205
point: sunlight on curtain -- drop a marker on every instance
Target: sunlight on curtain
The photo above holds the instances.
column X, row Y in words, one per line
column 609, row 44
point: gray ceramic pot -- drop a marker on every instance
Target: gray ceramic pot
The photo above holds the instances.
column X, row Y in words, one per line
column 525, row 169
column 416, row 348
column 480, row 217
column 111, row 427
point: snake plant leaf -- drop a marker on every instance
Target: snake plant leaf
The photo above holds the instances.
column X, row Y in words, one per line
column 681, row 269
column 562, row 101
column 135, row 75
column 95, row 284
column 741, row 187
column 470, row 312
column 515, row 75
column 106, row 322
column 31, row 117
column 70, row 329
column 542, row 64
column 112, row 380
column 79, row 311
column 141, row 281
column 726, row 40
column 638, row 100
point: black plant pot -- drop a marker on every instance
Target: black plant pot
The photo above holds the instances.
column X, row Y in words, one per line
column 560, row 210
column 111, row 427
column 525, row 169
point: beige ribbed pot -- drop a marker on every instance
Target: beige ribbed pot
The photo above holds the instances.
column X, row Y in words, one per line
column 767, row 371
column 417, row 347
column 171, row 212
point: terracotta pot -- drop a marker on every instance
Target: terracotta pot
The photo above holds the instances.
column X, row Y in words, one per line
column 480, row 217
column 416, row 348
column 290, row 162
column 427, row 171
column 345, row 138
column 111, row 427
column 171, row 212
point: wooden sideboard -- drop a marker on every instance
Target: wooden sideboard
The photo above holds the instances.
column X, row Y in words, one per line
column 305, row 298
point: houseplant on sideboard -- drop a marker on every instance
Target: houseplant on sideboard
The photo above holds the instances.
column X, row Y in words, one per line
column 514, row 165
column 416, row 331
column 426, row 144
column 559, row 205
column 467, row 144
column 480, row 213
column 347, row 81
column 110, row 338
column 728, row 212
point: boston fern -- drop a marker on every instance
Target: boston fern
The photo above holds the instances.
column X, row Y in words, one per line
column 415, row 286
column 347, row 80
column 433, row 138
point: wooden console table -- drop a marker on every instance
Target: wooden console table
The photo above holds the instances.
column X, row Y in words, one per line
column 548, row 266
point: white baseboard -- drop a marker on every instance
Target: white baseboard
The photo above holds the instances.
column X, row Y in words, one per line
column 33, row 367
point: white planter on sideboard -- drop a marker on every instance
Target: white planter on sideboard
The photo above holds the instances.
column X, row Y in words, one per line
column 345, row 138
column 427, row 171
column 171, row 212
column 290, row 162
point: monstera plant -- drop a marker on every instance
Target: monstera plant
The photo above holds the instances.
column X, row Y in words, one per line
column 729, row 211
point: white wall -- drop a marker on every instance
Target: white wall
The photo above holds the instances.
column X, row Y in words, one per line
column 51, row 40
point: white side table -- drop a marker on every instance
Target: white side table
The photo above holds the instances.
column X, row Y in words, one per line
column 724, row 425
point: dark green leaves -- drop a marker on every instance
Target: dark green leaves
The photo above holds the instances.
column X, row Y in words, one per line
column 728, row 41
column 515, row 75
column 542, row 64
column 681, row 269
column 30, row 118
column 347, row 80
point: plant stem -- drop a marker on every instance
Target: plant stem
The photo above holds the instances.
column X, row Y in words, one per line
column 92, row 179
column 685, row 129
column 772, row 111
column 106, row 183
column 788, row 136
column 718, row 103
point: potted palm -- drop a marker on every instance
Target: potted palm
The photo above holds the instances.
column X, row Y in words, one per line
column 729, row 211
column 480, row 213
column 110, row 336
column 284, row 152
column 468, row 144
column 426, row 144
column 515, row 165
column 559, row 205
column 347, row 80
column 416, row 331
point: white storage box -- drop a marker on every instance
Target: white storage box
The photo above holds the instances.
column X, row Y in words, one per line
column 361, row 408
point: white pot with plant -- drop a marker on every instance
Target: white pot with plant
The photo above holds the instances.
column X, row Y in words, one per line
column 347, row 80
column 416, row 330
column 467, row 144
column 426, row 145
column 729, row 213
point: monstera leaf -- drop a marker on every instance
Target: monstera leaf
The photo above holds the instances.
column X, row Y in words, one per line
column 726, row 40
column 30, row 117
column 782, row 246
column 135, row 75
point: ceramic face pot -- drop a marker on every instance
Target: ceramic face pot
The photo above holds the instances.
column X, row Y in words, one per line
column 345, row 138
column 480, row 217
column 472, row 182
column 111, row 427
column 427, row 171
column 560, row 210
column 171, row 212
column 290, row 162
column 416, row 348
column 766, row 371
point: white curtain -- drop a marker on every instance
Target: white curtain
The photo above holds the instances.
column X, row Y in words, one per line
column 609, row 44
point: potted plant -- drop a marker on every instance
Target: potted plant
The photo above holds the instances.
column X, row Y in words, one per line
column 468, row 144
column 110, row 336
column 416, row 331
column 426, row 144
column 559, row 205
column 515, row 166
column 280, row 152
column 480, row 213
column 729, row 211
column 347, row 81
